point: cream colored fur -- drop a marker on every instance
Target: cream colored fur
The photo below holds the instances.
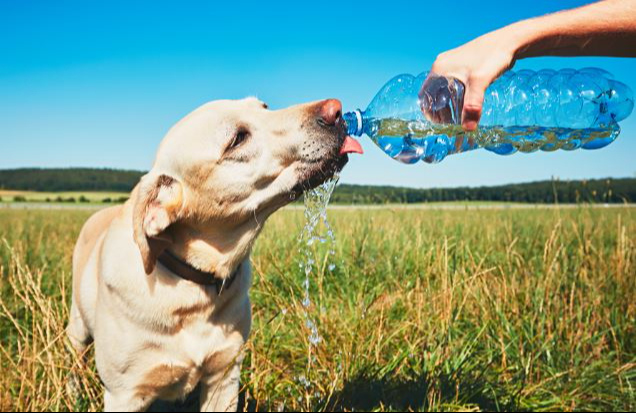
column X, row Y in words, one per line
column 218, row 175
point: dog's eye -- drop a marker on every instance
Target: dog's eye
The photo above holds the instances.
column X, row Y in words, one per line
column 242, row 134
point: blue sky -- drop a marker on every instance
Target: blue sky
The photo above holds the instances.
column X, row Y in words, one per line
column 86, row 83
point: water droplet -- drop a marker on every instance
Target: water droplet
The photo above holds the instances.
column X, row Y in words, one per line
column 317, row 229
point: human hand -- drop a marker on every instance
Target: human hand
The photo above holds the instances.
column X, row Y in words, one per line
column 604, row 28
column 476, row 64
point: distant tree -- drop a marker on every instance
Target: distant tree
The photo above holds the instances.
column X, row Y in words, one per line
column 70, row 200
column 84, row 200
column 19, row 198
column 72, row 179
column 47, row 199
column 107, row 200
column 610, row 191
column 109, row 180
column 121, row 200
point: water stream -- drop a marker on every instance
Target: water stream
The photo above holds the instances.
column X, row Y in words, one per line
column 317, row 251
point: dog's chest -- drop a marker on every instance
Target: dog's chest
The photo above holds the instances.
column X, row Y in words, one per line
column 198, row 340
column 199, row 350
column 197, row 334
column 200, row 345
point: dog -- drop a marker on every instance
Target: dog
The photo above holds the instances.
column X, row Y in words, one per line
column 160, row 283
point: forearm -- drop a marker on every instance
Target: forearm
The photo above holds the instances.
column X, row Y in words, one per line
column 606, row 28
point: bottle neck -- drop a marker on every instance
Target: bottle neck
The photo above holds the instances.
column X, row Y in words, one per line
column 355, row 122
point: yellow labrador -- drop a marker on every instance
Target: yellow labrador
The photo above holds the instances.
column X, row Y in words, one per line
column 161, row 283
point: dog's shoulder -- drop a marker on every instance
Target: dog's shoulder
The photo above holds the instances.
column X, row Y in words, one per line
column 91, row 232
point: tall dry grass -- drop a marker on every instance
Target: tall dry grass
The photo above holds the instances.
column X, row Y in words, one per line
column 35, row 252
column 427, row 310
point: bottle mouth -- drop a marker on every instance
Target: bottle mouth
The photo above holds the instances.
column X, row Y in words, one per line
column 354, row 121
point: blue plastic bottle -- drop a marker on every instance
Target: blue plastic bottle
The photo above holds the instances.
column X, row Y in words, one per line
column 523, row 111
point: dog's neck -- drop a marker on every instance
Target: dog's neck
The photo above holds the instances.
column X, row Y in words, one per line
column 213, row 250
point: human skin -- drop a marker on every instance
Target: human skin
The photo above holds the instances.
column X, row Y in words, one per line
column 605, row 28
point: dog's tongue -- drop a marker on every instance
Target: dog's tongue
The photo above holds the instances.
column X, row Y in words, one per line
column 351, row 145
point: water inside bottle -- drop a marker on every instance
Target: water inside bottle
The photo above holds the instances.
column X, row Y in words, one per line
column 412, row 141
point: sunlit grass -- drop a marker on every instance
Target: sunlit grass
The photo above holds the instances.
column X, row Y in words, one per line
column 34, row 196
column 427, row 310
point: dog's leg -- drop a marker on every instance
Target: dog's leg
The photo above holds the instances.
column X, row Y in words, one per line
column 77, row 331
column 79, row 337
column 220, row 393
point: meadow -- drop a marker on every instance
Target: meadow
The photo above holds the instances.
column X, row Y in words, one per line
column 426, row 310
column 59, row 197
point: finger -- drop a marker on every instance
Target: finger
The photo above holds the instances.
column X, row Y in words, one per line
column 473, row 104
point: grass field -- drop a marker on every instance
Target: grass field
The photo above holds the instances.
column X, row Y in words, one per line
column 33, row 196
column 428, row 310
column 9, row 196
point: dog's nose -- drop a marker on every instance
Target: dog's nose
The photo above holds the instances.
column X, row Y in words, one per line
column 330, row 112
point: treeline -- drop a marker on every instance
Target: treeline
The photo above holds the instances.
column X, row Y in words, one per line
column 70, row 200
column 112, row 180
column 72, row 179
column 589, row 191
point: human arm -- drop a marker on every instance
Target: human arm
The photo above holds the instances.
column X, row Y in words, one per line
column 605, row 28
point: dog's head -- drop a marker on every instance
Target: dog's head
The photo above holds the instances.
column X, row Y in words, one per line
column 226, row 167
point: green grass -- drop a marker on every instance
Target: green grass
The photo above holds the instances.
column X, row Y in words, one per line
column 428, row 310
column 34, row 196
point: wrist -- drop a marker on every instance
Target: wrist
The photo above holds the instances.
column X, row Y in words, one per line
column 521, row 38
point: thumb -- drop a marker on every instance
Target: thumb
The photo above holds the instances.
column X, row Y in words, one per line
column 473, row 104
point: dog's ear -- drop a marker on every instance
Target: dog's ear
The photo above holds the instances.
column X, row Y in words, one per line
column 158, row 204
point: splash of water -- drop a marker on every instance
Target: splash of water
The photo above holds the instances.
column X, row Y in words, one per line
column 316, row 237
column 316, row 201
